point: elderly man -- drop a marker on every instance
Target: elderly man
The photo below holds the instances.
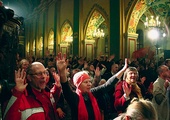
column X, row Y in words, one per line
column 31, row 100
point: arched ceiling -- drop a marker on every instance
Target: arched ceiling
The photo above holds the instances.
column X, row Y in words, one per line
column 21, row 7
column 159, row 8
column 147, row 8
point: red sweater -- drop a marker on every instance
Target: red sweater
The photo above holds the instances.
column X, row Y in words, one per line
column 120, row 102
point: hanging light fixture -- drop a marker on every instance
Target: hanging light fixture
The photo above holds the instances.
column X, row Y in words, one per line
column 69, row 39
column 155, row 31
column 98, row 33
column 152, row 22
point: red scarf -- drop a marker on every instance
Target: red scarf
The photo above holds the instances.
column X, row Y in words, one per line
column 82, row 111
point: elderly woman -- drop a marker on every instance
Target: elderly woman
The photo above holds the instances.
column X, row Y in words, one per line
column 83, row 102
column 127, row 89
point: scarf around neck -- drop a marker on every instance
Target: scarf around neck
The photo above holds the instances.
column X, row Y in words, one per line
column 82, row 111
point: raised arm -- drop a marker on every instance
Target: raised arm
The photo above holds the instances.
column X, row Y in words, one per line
column 112, row 80
column 120, row 73
column 61, row 67
column 12, row 106
column 97, row 77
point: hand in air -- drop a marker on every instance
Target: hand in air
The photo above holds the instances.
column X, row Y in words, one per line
column 20, row 80
column 61, row 62
column 97, row 71
column 127, row 88
column 126, row 64
column 57, row 79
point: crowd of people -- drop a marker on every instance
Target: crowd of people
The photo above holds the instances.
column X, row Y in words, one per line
column 75, row 88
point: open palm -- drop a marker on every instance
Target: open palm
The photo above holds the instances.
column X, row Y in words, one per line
column 20, row 80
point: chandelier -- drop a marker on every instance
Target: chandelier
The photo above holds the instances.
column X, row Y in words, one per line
column 98, row 33
column 152, row 22
column 69, row 39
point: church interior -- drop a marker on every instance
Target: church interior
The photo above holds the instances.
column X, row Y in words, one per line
column 90, row 28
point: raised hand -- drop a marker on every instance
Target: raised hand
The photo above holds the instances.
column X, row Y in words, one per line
column 97, row 71
column 61, row 67
column 111, row 57
column 166, row 84
column 127, row 89
column 61, row 62
column 126, row 64
column 57, row 79
column 20, row 80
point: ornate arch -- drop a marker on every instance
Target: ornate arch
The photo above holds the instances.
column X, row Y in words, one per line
column 133, row 18
column 97, row 17
column 66, row 32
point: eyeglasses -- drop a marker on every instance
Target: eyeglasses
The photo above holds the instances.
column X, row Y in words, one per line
column 39, row 74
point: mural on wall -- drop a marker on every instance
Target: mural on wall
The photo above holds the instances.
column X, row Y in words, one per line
column 138, row 11
column 66, row 32
column 147, row 8
column 51, row 41
column 40, row 46
column 95, row 21
column 28, row 48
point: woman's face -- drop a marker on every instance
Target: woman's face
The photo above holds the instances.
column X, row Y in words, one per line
column 52, row 70
column 85, row 86
column 25, row 65
column 132, row 77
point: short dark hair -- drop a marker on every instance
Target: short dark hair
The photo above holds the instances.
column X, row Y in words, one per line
column 167, row 60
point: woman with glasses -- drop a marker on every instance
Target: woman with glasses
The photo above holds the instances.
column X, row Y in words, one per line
column 30, row 100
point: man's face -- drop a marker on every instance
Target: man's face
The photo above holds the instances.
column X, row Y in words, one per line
column 38, row 78
column 165, row 72
column 168, row 64
column 115, row 68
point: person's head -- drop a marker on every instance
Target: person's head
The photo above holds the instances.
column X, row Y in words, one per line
column 37, row 76
column 139, row 110
column 73, row 72
column 82, row 81
column 114, row 68
column 131, row 75
column 23, row 64
column 163, row 71
column 167, row 62
column 52, row 69
column 151, row 65
column 49, row 79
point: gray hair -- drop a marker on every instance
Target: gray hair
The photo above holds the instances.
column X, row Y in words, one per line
column 130, row 69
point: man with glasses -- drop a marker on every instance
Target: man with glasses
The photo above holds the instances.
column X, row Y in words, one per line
column 30, row 100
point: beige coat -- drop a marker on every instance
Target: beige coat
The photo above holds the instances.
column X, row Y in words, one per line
column 163, row 108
